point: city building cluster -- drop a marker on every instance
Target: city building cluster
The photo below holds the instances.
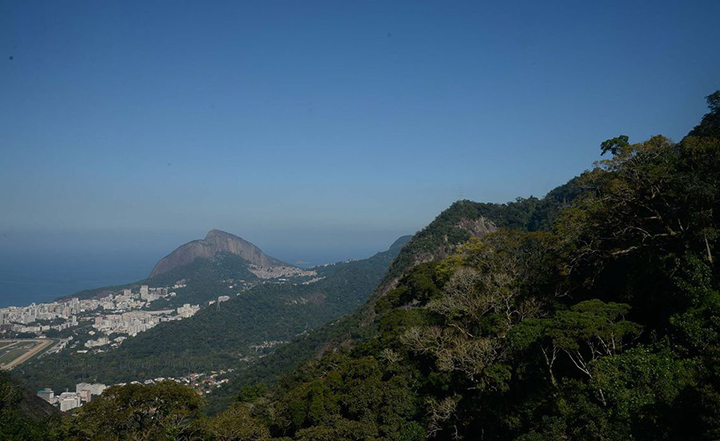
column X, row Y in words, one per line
column 201, row 383
column 124, row 312
column 55, row 315
column 134, row 322
column 277, row 272
column 70, row 400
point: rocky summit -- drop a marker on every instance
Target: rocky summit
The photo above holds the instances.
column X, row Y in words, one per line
column 215, row 242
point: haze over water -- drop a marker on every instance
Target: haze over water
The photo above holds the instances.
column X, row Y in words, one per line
column 37, row 279
column 318, row 131
column 41, row 267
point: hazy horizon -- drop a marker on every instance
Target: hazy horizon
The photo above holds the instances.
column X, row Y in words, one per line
column 319, row 131
column 556, row 165
column 40, row 267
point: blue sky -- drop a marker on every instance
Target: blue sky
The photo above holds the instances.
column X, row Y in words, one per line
column 320, row 130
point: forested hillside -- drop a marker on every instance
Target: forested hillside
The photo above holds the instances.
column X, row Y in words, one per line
column 453, row 227
column 223, row 335
column 24, row 416
column 466, row 219
column 205, row 280
column 605, row 327
column 593, row 314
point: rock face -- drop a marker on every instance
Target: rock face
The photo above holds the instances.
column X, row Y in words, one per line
column 475, row 227
column 215, row 242
column 478, row 227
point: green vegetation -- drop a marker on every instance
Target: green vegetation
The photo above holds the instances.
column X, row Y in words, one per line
column 23, row 416
column 287, row 357
column 166, row 410
column 605, row 327
column 709, row 127
column 12, row 352
column 454, row 226
column 219, row 336
column 205, row 279
column 593, row 316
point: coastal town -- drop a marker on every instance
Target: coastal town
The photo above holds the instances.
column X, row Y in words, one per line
column 105, row 321
column 47, row 328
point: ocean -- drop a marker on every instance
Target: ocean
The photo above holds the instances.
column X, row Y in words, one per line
column 40, row 267
column 39, row 279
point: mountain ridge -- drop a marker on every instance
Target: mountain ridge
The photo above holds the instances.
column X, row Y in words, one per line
column 217, row 337
column 215, row 242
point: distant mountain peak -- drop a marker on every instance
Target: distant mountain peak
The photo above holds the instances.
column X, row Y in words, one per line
column 215, row 242
column 215, row 232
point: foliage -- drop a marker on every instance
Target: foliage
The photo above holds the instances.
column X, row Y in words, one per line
column 237, row 424
column 710, row 124
column 454, row 226
column 24, row 416
column 166, row 410
column 604, row 326
column 219, row 336
column 597, row 317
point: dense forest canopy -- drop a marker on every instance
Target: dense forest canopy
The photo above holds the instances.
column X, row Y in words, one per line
column 604, row 327
column 594, row 317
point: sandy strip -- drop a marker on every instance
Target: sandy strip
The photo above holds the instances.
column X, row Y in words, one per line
column 27, row 355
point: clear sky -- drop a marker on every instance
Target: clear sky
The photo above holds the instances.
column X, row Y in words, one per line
column 320, row 130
